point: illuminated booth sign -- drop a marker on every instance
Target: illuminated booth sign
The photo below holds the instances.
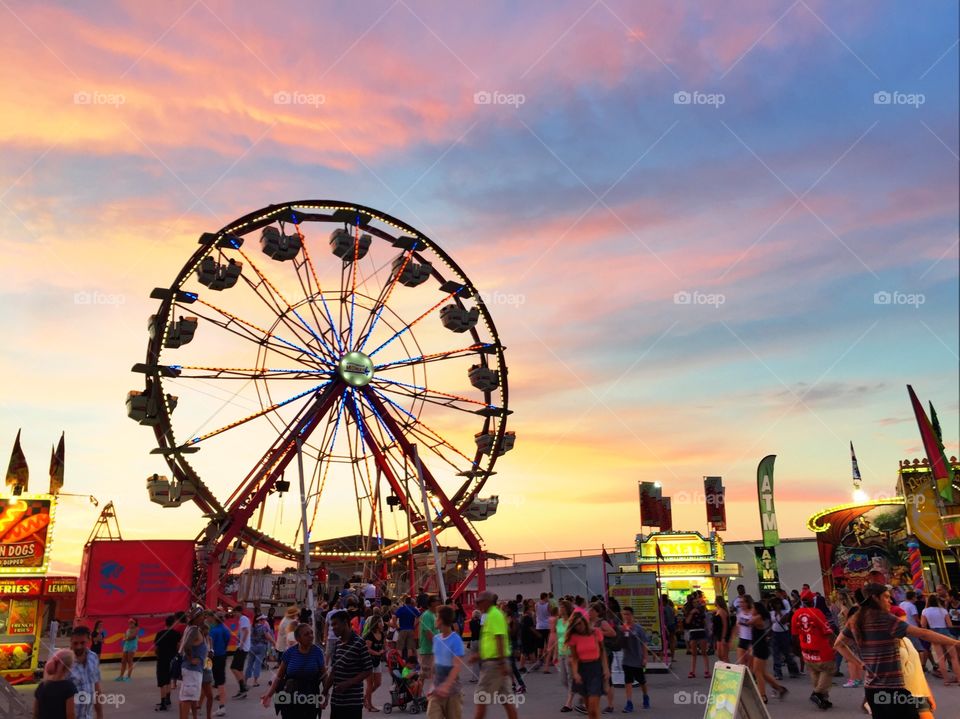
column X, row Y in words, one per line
column 24, row 529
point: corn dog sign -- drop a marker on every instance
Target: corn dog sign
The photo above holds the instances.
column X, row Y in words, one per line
column 25, row 523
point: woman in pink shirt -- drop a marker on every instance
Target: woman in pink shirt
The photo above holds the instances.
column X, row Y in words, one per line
column 588, row 662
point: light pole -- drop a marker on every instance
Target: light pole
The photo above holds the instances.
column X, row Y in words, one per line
column 306, row 533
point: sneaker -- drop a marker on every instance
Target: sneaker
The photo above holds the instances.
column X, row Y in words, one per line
column 628, row 708
column 646, row 701
column 858, row 682
column 564, row 709
column 222, row 711
column 608, row 710
column 817, row 699
column 242, row 694
column 850, row 684
column 581, row 708
column 636, row 684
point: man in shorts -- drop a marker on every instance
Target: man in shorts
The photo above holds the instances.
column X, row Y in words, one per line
column 239, row 662
column 220, row 640
column 426, row 628
column 634, row 660
column 494, row 655
column 406, row 619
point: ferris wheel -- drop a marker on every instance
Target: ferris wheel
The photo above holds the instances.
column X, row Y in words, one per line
column 334, row 336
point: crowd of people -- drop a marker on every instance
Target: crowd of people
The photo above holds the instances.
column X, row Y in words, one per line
column 427, row 651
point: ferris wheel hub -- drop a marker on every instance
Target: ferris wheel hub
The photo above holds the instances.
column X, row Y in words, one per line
column 356, row 369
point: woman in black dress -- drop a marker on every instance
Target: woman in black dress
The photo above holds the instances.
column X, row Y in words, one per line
column 760, row 647
column 375, row 637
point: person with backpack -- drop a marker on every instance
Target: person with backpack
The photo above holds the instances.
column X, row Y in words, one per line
column 611, row 632
column 695, row 621
column 261, row 639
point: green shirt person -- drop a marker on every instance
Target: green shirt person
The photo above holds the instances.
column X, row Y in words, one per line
column 494, row 625
column 426, row 628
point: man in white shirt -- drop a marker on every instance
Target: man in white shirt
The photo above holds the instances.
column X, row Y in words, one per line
column 913, row 619
column 239, row 662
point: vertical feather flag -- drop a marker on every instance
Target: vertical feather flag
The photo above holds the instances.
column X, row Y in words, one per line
column 56, row 467
column 856, row 468
column 768, row 513
column 18, row 473
column 939, row 467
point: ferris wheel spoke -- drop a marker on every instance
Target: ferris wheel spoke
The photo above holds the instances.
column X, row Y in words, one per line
column 407, row 327
column 277, row 296
column 333, row 441
column 316, row 281
column 261, row 413
column 427, row 394
column 247, row 372
column 431, row 435
column 383, row 299
column 266, row 335
column 436, row 356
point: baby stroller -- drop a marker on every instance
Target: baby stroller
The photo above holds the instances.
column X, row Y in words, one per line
column 406, row 690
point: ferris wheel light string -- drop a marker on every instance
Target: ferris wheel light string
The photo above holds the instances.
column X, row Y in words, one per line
column 286, row 302
column 434, row 391
column 267, row 334
column 417, row 421
column 316, row 280
column 407, row 327
column 414, row 360
column 390, row 288
column 253, row 416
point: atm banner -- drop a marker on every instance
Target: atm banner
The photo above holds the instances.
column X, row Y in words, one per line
column 24, row 527
column 137, row 577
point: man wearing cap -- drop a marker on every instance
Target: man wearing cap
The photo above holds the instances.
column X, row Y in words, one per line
column 494, row 654
column 816, row 644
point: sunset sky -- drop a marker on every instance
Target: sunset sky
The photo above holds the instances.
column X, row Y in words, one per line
column 590, row 166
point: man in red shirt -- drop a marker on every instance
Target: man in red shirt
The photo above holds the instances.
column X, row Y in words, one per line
column 816, row 644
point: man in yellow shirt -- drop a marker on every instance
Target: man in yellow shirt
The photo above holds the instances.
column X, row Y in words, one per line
column 493, row 686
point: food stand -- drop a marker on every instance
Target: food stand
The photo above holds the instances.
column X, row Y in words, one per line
column 688, row 561
column 26, row 522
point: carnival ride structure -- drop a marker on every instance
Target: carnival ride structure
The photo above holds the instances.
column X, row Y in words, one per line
column 311, row 352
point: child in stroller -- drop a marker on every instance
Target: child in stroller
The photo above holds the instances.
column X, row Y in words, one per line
column 406, row 689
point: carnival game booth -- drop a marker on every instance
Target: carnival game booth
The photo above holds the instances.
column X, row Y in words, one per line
column 687, row 561
column 901, row 537
column 26, row 523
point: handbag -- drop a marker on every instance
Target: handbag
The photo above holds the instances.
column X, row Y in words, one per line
column 190, row 686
